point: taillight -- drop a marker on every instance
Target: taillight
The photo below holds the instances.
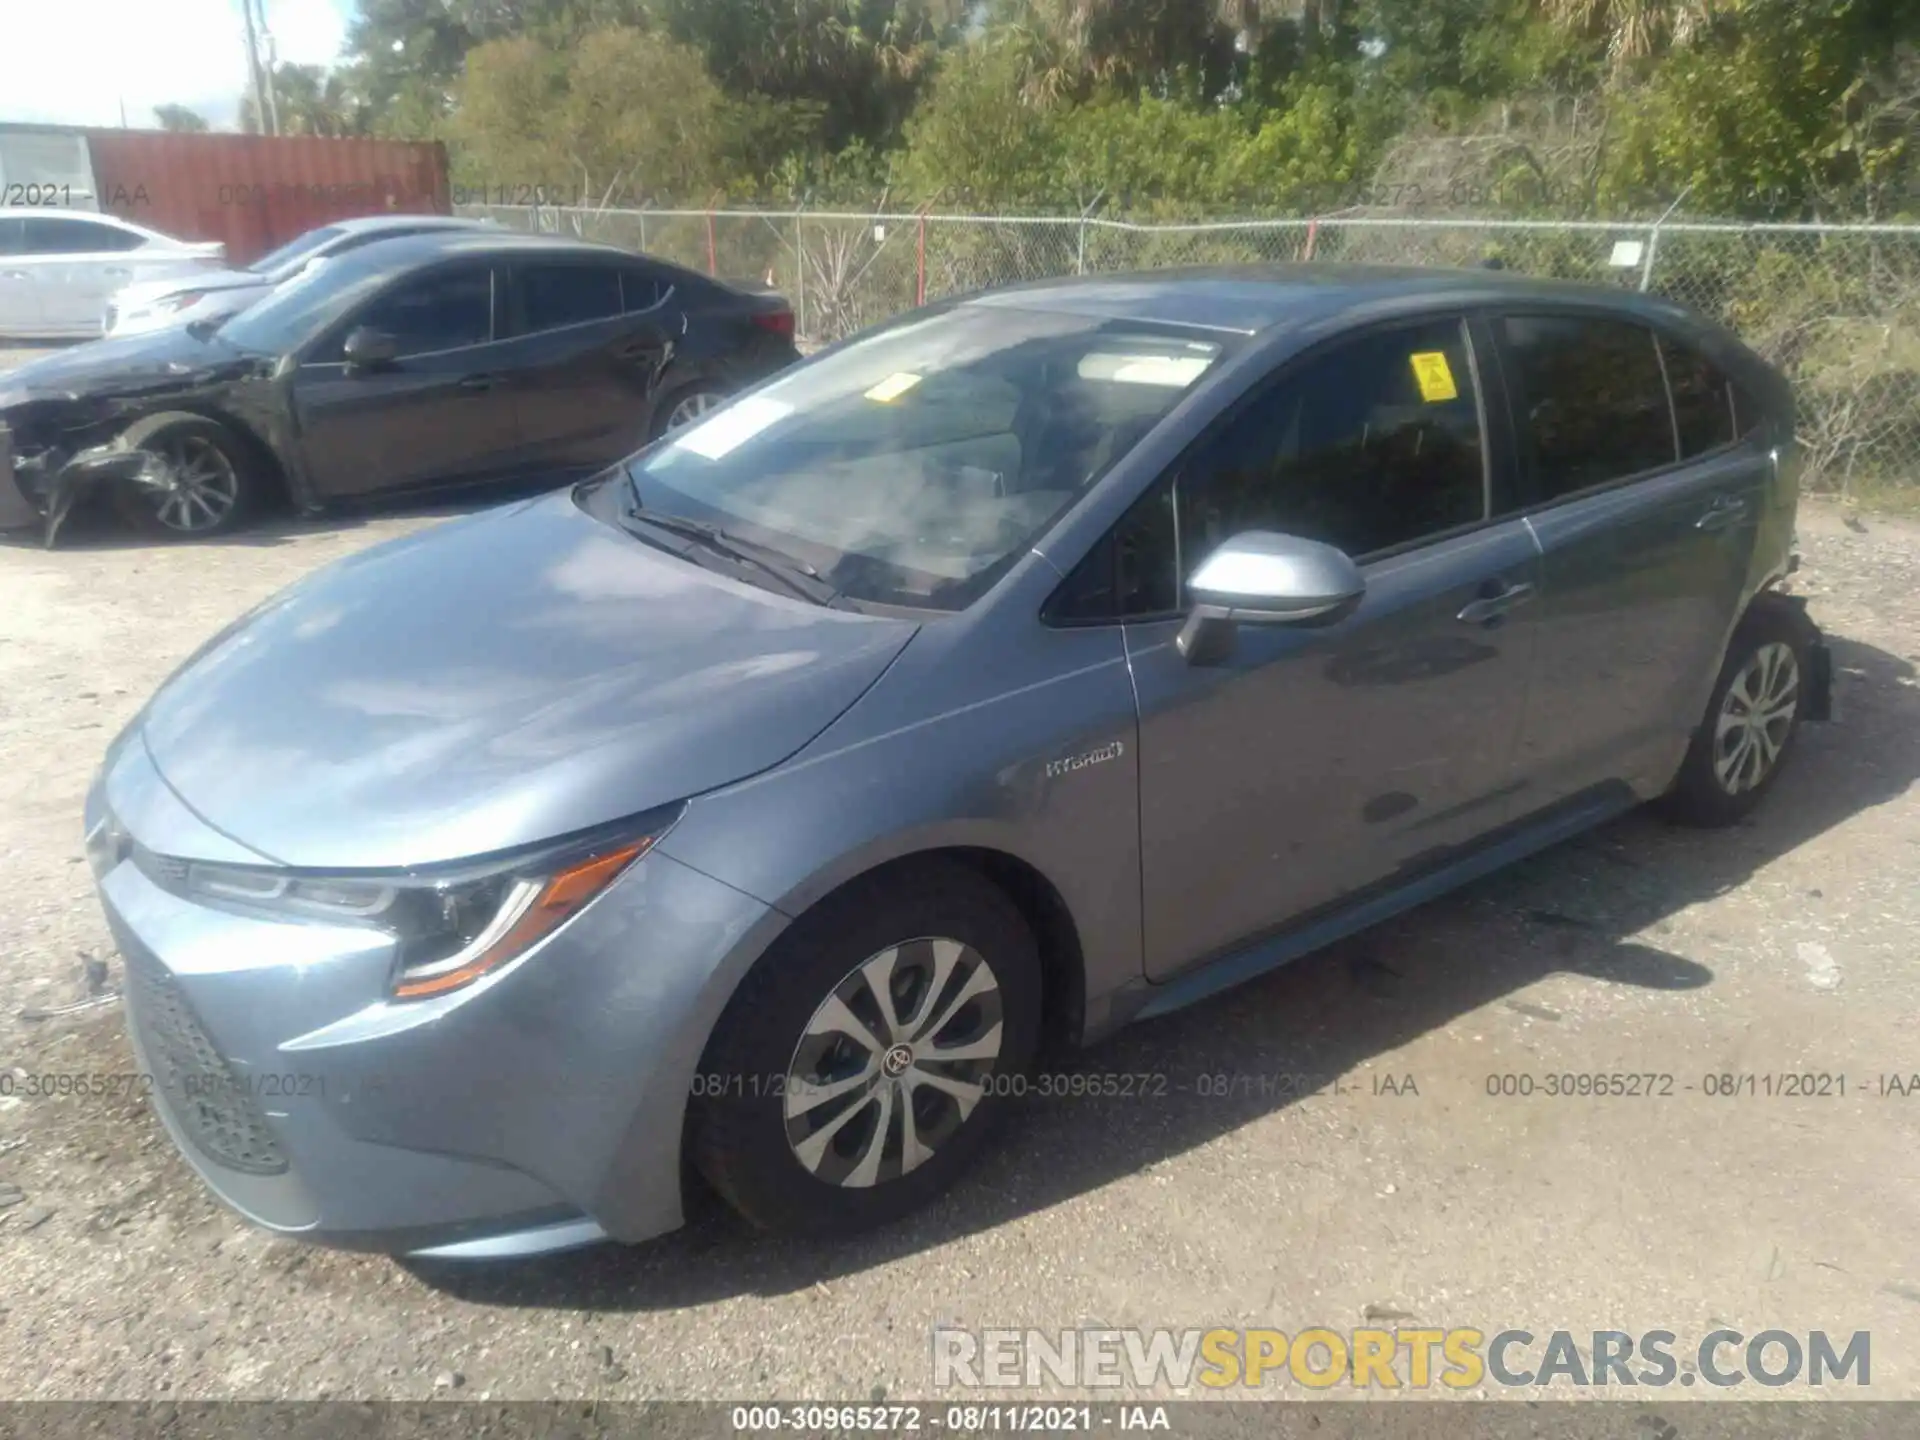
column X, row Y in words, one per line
column 776, row 322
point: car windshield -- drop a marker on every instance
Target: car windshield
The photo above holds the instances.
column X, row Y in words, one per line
column 278, row 264
column 915, row 466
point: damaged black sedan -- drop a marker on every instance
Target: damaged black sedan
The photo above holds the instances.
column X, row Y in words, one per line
column 406, row 366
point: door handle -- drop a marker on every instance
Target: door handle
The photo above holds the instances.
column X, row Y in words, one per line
column 118, row 272
column 635, row 350
column 1724, row 511
column 14, row 275
column 479, row 382
column 1490, row 608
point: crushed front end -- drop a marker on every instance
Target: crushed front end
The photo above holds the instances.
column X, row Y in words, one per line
column 52, row 451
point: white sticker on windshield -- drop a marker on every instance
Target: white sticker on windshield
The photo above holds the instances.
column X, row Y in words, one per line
column 732, row 427
column 1173, row 371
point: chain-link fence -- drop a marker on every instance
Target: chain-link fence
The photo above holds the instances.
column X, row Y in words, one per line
column 1836, row 306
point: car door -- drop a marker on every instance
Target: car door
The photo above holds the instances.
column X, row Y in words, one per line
column 1647, row 514
column 438, row 414
column 19, row 290
column 583, row 361
column 1314, row 762
column 77, row 265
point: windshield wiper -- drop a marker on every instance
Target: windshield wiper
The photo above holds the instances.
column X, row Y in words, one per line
column 796, row 575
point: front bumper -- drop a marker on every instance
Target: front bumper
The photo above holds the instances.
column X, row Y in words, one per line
column 536, row 1110
column 42, row 492
column 17, row 512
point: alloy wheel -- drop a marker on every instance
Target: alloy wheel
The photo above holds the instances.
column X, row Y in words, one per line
column 692, row 407
column 1756, row 717
column 199, row 487
column 893, row 1062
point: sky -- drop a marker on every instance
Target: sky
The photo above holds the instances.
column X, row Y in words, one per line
column 73, row 62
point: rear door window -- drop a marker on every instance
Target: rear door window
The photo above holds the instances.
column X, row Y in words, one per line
column 1589, row 401
column 1702, row 399
column 554, row 296
column 642, row 288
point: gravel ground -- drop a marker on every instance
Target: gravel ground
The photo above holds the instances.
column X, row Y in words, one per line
column 1785, row 945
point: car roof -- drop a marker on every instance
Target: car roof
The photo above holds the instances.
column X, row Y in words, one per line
column 1246, row 300
column 406, row 251
column 361, row 224
column 46, row 212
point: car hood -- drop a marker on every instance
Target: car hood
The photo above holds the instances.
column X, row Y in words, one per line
column 129, row 365
column 145, row 292
column 497, row 681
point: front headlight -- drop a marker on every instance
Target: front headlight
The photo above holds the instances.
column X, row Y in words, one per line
column 451, row 925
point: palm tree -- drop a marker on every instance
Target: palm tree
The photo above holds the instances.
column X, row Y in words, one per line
column 1069, row 43
column 1636, row 30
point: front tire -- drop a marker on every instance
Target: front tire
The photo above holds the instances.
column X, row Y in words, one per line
column 207, row 484
column 1753, row 716
column 868, row 1058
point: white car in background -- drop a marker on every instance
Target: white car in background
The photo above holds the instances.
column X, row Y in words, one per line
column 58, row 267
column 212, row 296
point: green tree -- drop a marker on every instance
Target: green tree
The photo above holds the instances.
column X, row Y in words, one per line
column 976, row 139
column 1632, row 32
column 310, row 100
column 403, row 58
column 862, row 62
column 621, row 110
column 179, row 119
column 1794, row 109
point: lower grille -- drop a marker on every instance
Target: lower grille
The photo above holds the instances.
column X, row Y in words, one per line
column 205, row 1098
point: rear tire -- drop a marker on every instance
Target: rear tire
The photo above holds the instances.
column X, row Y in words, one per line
column 681, row 407
column 213, row 478
column 867, row 1059
column 1752, row 717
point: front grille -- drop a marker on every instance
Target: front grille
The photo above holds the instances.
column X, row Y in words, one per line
column 205, row 1098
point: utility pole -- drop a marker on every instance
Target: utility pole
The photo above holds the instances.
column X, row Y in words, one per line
column 253, row 66
column 272, row 59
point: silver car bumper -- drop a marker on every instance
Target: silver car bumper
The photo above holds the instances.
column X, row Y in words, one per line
column 539, row 1110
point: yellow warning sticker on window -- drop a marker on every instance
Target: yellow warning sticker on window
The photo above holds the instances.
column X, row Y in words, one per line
column 893, row 387
column 1435, row 377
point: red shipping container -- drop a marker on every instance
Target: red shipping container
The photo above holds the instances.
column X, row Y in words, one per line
column 256, row 192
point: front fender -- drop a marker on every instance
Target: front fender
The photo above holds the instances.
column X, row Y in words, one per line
column 908, row 771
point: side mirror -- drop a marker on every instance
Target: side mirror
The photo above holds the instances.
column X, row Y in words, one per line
column 1263, row 578
column 369, row 349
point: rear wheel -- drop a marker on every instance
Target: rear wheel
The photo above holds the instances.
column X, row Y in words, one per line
column 868, row 1058
column 683, row 407
column 1752, row 718
column 203, row 484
